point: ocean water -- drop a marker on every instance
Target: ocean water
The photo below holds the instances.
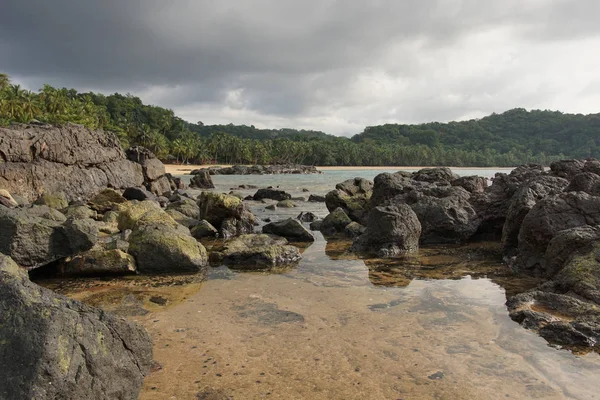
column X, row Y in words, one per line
column 431, row 326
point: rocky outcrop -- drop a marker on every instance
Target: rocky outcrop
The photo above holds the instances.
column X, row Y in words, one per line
column 353, row 196
column 391, row 231
column 58, row 348
column 156, row 180
column 291, row 229
column 441, row 174
column 260, row 170
column 256, row 252
column 472, row 184
column 38, row 235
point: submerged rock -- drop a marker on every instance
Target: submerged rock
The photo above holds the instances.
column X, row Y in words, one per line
column 59, row 348
column 286, row 204
column 306, row 217
column 272, row 194
column 391, row 231
column 291, row 229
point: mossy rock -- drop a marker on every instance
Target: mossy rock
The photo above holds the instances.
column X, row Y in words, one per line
column 131, row 212
column 286, row 204
column 335, row 222
column 182, row 219
column 256, row 252
column 98, row 261
column 216, row 207
column 187, row 207
column 106, row 200
column 581, row 274
column 57, row 200
column 160, row 248
column 80, row 212
column 203, row 229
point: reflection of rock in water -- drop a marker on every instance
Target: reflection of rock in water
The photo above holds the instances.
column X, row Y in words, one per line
column 266, row 313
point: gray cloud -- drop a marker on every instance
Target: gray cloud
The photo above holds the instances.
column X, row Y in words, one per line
column 330, row 65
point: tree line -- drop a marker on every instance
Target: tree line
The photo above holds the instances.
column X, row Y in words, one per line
column 511, row 138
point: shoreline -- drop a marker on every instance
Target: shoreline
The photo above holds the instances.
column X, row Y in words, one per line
column 177, row 169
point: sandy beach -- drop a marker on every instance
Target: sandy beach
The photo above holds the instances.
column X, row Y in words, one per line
column 176, row 169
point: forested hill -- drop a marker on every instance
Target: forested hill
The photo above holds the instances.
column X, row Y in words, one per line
column 511, row 138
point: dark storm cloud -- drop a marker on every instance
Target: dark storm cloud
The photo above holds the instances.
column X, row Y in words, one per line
column 336, row 63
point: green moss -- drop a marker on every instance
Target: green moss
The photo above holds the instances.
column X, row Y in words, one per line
column 57, row 201
column 131, row 212
column 583, row 271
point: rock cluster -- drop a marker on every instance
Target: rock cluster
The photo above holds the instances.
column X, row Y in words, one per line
column 259, row 170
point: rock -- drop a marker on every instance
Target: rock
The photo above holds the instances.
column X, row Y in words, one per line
column 160, row 187
column 299, row 198
column 354, row 229
column 559, row 318
column 567, row 243
column 106, row 200
column 528, row 194
column 271, row 207
column 227, row 213
column 256, row 252
column 592, row 166
column 585, row 182
column 335, row 222
column 160, row 248
column 581, row 274
column 306, row 217
column 130, row 213
column 305, row 190
column 182, row 219
column 387, row 186
column 62, row 349
column 439, row 174
column 472, row 184
column 80, row 212
column 545, row 220
column 317, row 225
column 353, row 196
column 204, row 229
column 187, row 207
column 56, row 200
column 70, row 159
column 202, row 180
column 260, row 170
column 99, row 261
column 316, row 198
column 138, row 193
column 237, row 194
column 290, row 229
column 7, row 200
column 111, row 217
column 391, row 231
column 272, row 194
column 32, row 237
column 567, row 168
column 286, row 204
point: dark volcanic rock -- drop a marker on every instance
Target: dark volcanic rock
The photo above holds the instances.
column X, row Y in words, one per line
column 546, row 219
column 353, row 196
column 306, row 217
column 226, row 213
column 472, row 184
column 202, row 180
column 585, row 182
column 567, row 168
column 335, row 222
column 290, row 229
column 272, row 194
column 260, row 170
column 316, row 198
column 392, row 230
column 138, row 193
column 38, row 235
column 440, row 174
column 59, row 348
column 530, row 192
column 568, row 242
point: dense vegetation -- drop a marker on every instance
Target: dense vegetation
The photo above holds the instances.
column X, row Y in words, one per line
column 514, row 137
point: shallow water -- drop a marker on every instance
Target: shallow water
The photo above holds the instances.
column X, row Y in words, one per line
column 432, row 326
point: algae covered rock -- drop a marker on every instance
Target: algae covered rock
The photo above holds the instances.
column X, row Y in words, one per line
column 56, row 200
column 59, row 348
column 286, row 204
column 187, row 207
column 204, row 229
column 272, row 194
column 291, row 229
column 36, row 236
column 80, row 212
column 182, row 219
column 335, row 222
column 226, row 213
column 353, row 196
column 256, row 252
column 159, row 247
column 131, row 212
column 99, row 261
column 106, row 200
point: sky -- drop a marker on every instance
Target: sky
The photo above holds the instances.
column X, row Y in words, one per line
column 330, row 65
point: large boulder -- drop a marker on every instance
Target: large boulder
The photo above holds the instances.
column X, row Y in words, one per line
column 106, row 200
column 156, row 180
column 256, row 252
column 387, row 186
column 567, row 243
column 391, row 230
column 291, row 229
column 585, row 182
column 201, row 180
column 99, row 262
column 54, row 200
column 438, row 174
column 70, row 159
column 472, row 184
column 57, row 348
column 272, row 194
column 581, row 273
column 226, row 213
column 187, row 207
column 38, row 235
column 567, row 168
column 545, row 220
column 528, row 194
column 204, row 230
column 131, row 212
column 353, row 196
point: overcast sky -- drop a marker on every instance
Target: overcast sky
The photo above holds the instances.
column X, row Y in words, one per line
column 335, row 66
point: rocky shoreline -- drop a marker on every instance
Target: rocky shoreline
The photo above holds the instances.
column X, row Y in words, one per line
column 72, row 203
column 259, row 170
